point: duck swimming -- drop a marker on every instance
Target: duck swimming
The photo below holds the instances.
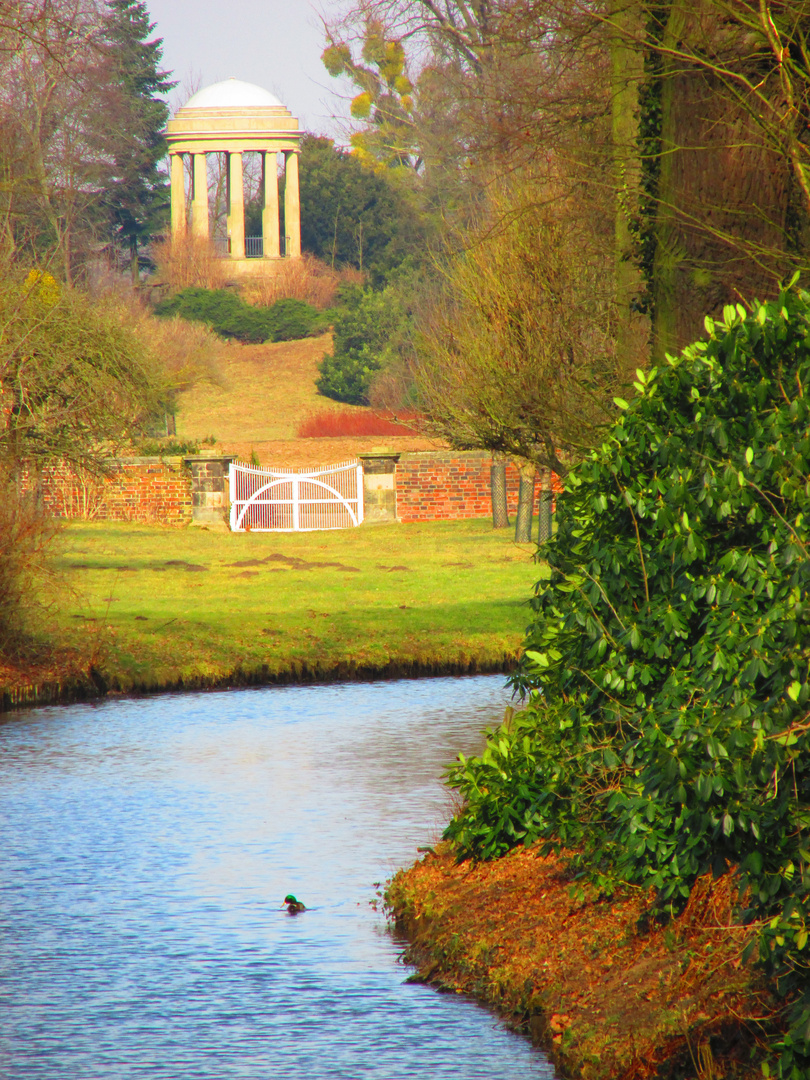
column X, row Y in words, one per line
column 293, row 906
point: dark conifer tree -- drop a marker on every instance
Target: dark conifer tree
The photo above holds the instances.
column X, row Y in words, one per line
column 135, row 196
column 354, row 216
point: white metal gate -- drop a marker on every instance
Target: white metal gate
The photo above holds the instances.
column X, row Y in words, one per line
column 283, row 500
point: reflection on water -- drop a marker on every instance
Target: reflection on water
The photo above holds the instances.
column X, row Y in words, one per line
column 147, row 846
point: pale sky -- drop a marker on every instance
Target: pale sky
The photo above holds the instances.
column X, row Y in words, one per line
column 276, row 44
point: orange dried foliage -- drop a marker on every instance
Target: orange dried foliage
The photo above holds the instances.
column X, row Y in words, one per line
column 606, row 995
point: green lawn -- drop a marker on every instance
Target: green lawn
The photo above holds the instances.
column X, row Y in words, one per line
column 166, row 607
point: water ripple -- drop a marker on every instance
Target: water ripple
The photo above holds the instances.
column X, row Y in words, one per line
column 147, row 845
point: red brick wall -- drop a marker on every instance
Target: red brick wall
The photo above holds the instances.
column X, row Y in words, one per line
column 446, row 485
column 152, row 490
column 430, row 486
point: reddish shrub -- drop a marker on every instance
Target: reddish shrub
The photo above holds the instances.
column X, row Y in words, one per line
column 333, row 423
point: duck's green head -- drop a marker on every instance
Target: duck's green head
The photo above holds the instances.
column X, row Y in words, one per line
column 290, row 899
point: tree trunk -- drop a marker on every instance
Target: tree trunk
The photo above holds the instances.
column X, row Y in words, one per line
column 722, row 219
column 133, row 261
column 627, row 71
column 497, row 489
column 545, row 517
column 668, row 249
column 523, row 522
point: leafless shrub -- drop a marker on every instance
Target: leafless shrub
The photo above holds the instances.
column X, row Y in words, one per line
column 182, row 352
column 26, row 536
column 188, row 260
column 79, row 494
column 306, row 279
column 517, row 353
column 340, row 423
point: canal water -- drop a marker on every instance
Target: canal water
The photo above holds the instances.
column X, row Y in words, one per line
column 145, row 849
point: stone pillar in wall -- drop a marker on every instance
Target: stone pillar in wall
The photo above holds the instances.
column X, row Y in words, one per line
column 209, row 495
column 379, row 487
column 270, row 229
column 199, row 199
column 236, row 206
column 178, row 195
column 292, row 205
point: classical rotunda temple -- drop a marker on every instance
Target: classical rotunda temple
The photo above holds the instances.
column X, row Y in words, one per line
column 232, row 118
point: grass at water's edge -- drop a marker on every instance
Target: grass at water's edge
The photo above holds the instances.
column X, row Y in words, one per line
column 22, row 689
column 602, row 991
column 148, row 609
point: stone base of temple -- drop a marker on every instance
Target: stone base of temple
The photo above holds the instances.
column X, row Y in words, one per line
column 239, row 269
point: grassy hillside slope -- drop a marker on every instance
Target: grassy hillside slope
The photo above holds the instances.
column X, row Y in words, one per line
column 262, row 395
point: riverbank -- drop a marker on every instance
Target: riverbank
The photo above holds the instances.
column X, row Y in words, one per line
column 607, row 995
column 144, row 609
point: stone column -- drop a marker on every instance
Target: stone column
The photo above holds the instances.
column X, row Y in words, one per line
column 236, row 206
column 209, row 480
column 379, row 487
column 178, row 195
column 292, row 205
column 270, row 232
column 199, row 200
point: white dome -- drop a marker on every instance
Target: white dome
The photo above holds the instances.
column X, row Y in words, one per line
column 232, row 94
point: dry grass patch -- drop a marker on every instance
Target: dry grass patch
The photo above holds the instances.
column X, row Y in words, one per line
column 265, row 392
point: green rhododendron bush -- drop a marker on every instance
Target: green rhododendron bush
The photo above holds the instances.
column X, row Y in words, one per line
column 667, row 726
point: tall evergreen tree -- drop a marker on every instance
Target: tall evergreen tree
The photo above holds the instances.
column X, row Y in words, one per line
column 135, row 191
